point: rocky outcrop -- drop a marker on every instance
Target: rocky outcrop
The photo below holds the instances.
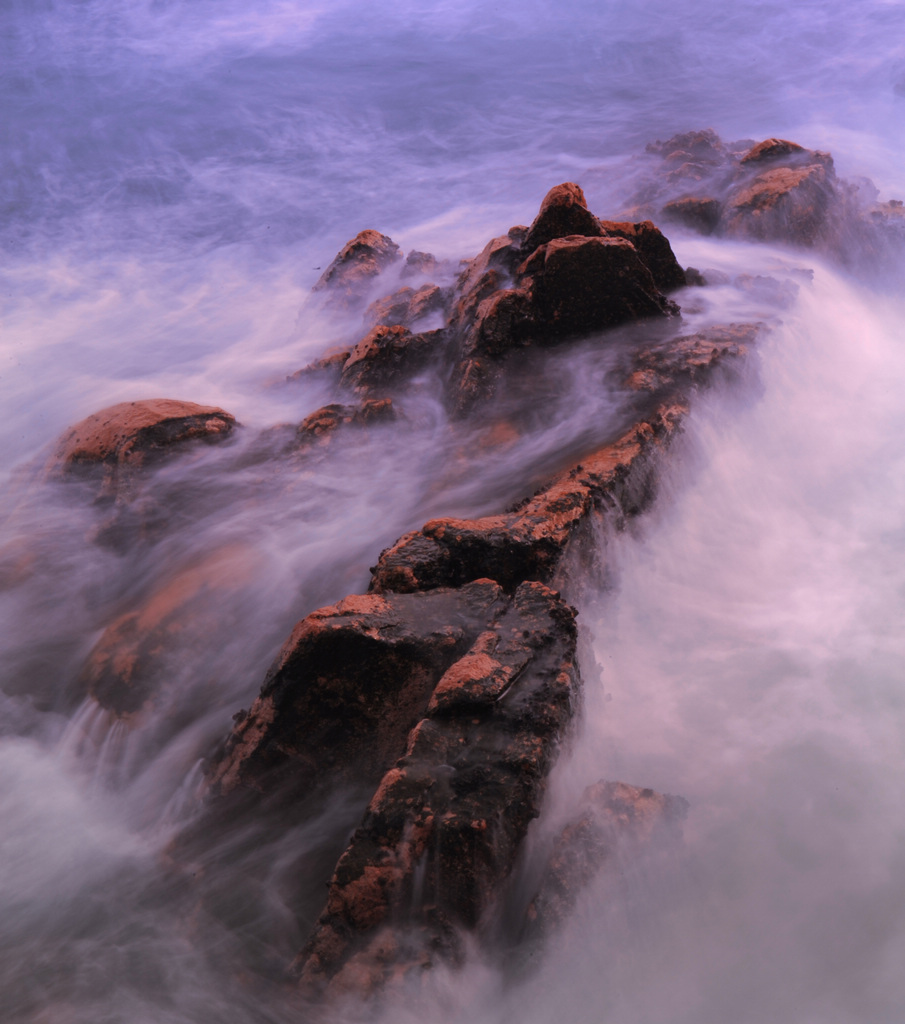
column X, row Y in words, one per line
column 441, row 833
column 566, row 276
column 344, row 285
column 116, row 441
column 387, row 357
column 771, row 191
column 529, row 542
column 449, row 689
column 544, row 285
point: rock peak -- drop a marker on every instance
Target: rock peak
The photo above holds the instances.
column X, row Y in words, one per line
column 563, row 212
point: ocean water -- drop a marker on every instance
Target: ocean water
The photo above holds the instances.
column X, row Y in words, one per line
column 173, row 179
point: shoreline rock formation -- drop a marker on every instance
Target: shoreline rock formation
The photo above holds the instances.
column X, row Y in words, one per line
column 449, row 688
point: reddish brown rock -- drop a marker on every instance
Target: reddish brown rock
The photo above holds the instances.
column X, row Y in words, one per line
column 387, row 357
column 563, row 212
column 617, row 822
column 772, row 149
column 323, row 423
column 530, row 543
column 346, row 281
column 789, row 204
column 654, row 249
column 348, row 686
column 406, row 306
column 439, row 838
column 132, row 433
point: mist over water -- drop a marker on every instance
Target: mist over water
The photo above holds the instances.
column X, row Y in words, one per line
column 173, row 179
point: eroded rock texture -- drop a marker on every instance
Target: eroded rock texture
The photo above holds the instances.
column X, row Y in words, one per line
column 771, row 191
column 346, row 282
column 448, row 689
column 132, row 434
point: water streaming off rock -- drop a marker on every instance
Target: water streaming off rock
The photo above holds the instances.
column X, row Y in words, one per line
column 173, row 179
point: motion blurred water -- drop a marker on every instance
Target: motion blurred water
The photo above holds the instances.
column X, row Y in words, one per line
column 173, row 177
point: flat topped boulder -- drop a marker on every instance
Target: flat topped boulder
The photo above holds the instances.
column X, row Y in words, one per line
column 131, row 432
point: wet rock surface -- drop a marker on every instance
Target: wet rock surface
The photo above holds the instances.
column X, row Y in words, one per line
column 442, row 830
column 345, row 283
column 770, row 191
column 132, row 434
column 446, row 691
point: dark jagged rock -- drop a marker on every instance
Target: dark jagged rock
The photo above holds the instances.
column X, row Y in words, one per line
column 121, row 439
column 580, row 285
column 563, row 212
column 406, row 306
column 440, row 835
column 523, row 290
column 350, row 683
column 654, row 250
column 346, row 281
column 387, row 357
column 616, row 822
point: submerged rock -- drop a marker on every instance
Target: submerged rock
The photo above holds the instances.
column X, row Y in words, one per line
column 616, row 823
column 321, row 425
column 135, row 663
